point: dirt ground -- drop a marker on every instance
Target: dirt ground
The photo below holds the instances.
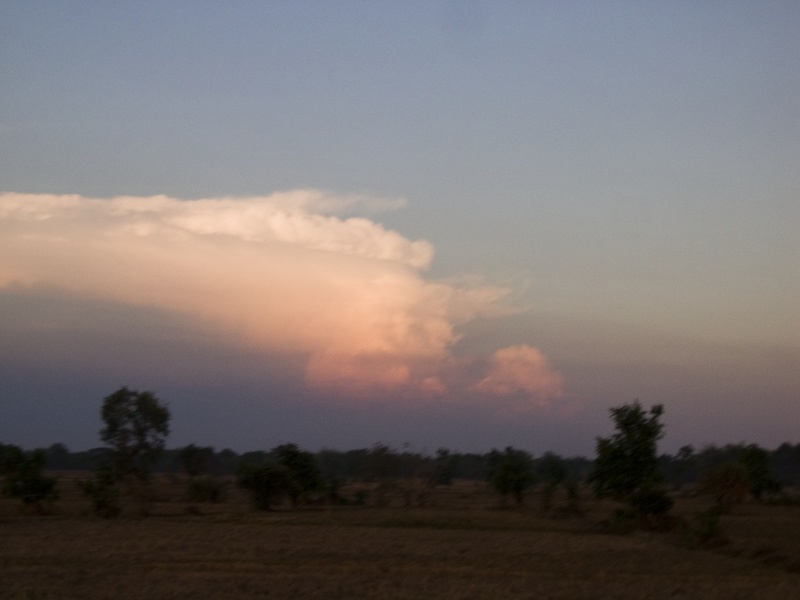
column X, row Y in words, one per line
column 462, row 547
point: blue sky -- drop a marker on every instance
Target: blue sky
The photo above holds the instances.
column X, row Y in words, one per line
column 503, row 218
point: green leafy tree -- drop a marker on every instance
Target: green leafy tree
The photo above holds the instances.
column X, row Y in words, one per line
column 626, row 467
column 23, row 477
column 304, row 473
column 136, row 425
column 511, row 473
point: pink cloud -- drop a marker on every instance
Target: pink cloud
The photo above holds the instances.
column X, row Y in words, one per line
column 284, row 273
column 522, row 369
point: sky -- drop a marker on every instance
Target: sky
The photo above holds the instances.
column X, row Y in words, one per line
column 424, row 224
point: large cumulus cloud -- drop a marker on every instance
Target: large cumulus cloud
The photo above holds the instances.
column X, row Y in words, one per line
column 287, row 272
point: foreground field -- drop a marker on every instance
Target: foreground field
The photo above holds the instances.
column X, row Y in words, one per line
column 452, row 552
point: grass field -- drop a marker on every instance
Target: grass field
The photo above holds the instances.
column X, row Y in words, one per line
column 464, row 546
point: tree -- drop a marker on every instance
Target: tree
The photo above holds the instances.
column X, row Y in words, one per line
column 196, row 460
column 785, row 463
column 383, row 465
column 685, row 459
column 285, row 471
column 23, row 477
column 626, row 467
column 136, row 427
column 304, row 474
column 57, row 457
column 551, row 469
column 511, row 473
column 756, row 460
column 443, row 467
column 266, row 483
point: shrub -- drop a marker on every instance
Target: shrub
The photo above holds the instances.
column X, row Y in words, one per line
column 573, row 496
column 103, row 491
column 511, row 473
column 756, row 461
column 206, row 489
column 266, row 483
column 301, row 466
column 651, row 502
column 24, row 478
column 704, row 529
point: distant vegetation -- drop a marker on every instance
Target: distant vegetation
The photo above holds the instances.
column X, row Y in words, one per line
column 627, row 467
column 677, row 469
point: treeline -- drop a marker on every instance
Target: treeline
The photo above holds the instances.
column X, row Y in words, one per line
column 368, row 464
column 363, row 464
column 627, row 467
column 687, row 465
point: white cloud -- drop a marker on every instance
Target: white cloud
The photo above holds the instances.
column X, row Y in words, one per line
column 283, row 272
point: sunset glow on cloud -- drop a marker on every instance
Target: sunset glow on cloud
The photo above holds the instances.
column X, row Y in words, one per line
column 522, row 369
column 284, row 273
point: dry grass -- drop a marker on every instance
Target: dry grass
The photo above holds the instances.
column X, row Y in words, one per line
column 463, row 547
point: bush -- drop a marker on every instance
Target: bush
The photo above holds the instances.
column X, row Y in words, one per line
column 206, row 489
column 104, row 493
column 301, row 466
column 266, row 483
column 704, row 529
column 623, row 520
column 511, row 473
column 756, row 461
column 24, row 478
column 573, row 497
column 651, row 502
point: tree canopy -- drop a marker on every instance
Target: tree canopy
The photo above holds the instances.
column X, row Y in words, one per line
column 23, row 477
column 136, row 427
column 511, row 472
column 627, row 462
